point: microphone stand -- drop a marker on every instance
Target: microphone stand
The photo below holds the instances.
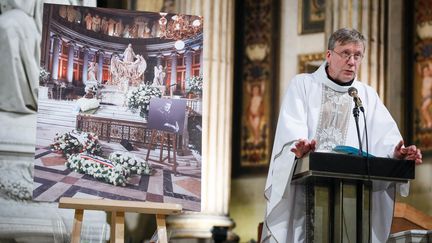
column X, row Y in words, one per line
column 356, row 115
column 356, row 118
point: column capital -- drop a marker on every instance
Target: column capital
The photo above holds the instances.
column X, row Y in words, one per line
column 85, row 49
column 55, row 37
column 71, row 44
column 100, row 52
column 189, row 51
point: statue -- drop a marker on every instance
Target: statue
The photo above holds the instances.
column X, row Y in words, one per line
column 20, row 28
column 128, row 54
column 91, row 72
column 131, row 68
column 159, row 75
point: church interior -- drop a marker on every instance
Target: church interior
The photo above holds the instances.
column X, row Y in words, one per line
column 88, row 59
column 243, row 54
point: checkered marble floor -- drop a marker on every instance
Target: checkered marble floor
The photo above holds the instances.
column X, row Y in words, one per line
column 52, row 180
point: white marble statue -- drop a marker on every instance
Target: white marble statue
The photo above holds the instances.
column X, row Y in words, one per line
column 128, row 54
column 132, row 67
column 159, row 75
column 21, row 219
column 91, row 72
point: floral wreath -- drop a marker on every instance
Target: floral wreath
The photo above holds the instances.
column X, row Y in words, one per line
column 76, row 142
column 116, row 170
column 82, row 149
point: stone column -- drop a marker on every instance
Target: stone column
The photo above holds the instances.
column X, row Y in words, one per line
column 159, row 59
column 70, row 61
column 85, row 64
column 395, row 66
column 49, row 53
column 217, row 118
column 100, row 66
column 173, row 72
column 188, row 60
column 55, row 57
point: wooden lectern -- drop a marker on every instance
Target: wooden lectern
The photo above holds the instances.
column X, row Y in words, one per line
column 338, row 188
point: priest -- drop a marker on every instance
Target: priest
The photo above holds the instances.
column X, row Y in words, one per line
column 316, row 116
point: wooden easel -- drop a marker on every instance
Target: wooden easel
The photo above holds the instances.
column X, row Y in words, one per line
column 118, row 209
column 167, row 140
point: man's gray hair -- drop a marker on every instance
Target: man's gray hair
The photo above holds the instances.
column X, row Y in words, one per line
column 344, row 36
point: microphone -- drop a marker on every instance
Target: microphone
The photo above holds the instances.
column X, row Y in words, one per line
column 357, row 101
column 358, row 105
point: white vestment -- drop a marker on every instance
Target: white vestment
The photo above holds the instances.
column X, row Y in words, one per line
column 314, row 107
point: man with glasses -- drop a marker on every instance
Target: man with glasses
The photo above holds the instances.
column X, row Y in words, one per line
column 316, row 116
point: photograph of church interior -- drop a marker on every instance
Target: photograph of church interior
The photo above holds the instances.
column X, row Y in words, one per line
column 69, row 73
column 94, row 108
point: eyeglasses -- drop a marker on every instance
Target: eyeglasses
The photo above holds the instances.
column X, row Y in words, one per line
column 346, row 55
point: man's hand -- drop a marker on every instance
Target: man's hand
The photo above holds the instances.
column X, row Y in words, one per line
column 302, row 147
column 407, row 153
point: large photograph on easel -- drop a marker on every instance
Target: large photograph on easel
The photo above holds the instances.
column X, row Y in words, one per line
column 101, row 69
column 167, row 115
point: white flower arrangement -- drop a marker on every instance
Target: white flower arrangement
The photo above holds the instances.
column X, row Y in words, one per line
column 97, row 167
column 139, row 99
column 43, row 75
column 115, row 170
column 130, row 164
column 195, row 83
column 76, row 142
column 91, row 88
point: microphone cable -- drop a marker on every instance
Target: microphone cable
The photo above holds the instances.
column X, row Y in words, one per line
column 368, row 177
column 367, row 147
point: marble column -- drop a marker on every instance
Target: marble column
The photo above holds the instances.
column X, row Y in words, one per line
column 48, row 64
column 85, row 64
column 100, row 66
column 188, row 60
column 55, row 57
column 217, row 120
column 173, row 72
column 70, row 67
column 159, row 59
